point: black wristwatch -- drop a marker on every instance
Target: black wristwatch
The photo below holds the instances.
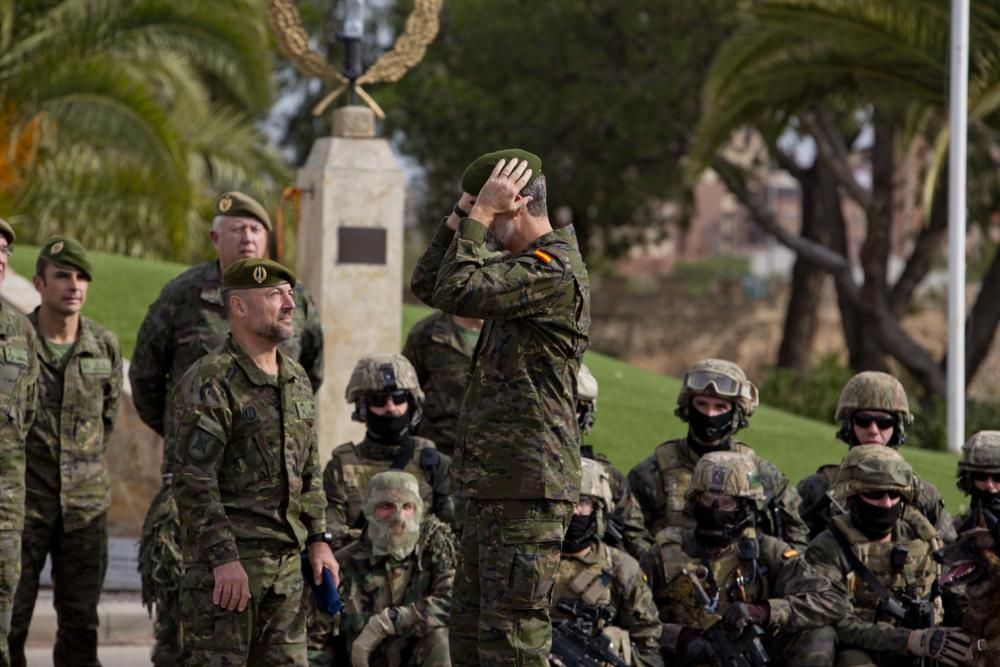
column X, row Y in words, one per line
column 320, row 537
column 459, row 212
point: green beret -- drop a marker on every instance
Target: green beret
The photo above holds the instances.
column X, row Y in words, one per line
column 7, row 231
column 67, row 252
column 477, row 173
column 238, row 205
column 255, row 272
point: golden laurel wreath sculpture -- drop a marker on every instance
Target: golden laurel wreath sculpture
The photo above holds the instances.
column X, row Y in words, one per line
column 421, row 29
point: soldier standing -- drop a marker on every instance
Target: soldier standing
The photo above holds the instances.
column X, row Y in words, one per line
column 517, row 457
column 723, row 570
column 440, row 348
column 187, row 321
column 247, row 482
column 605, row 579
column 68, row 492
column 387, row 398
column 716, row 400
column 18, row 389
column 872, row 410
column 396, row 580
column 879, row 555
column 626, row 527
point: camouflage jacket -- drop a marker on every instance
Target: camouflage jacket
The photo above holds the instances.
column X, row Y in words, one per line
column 609, row 577
column 863, row 626
column 816, row 509
column 186, row 322
column 246, row 469
column 67, row 469
column 441, row 355
column 799, row 598
column 18, row 393
column 626, row 512
column 419, row 587
column 517, row 432
column 351, row 468
column 660, row 481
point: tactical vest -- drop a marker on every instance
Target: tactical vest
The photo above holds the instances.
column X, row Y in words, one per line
column 357, row 473
column 738, row 574
column 675, row 473
column 914, row 579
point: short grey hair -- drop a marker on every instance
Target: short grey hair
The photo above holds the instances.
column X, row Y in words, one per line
column 537, row 191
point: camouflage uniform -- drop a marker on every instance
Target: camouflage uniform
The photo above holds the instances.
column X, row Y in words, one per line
column 753, row 568
column 186, row 322
column 68, row 491
column 660, row 482
column 417, row 588
column 441, row 353
column 871, row 390
column 980, row 454
column 864, row 632
column 610, row 578
column 626, row 517
column 18, row 390
column 517, row 454
column 247, row 486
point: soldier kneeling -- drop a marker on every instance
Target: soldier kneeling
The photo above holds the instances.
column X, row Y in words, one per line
column 730, row 596
column 601, row 600
column 879, row 554
column 396, row 581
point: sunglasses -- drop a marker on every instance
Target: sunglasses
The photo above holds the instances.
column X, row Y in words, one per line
column 986, row 476
column 882, row 421
column 379, row 399
column 879, row 495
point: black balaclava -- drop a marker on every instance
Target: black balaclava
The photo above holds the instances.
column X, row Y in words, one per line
column 581, row 533
column 386, row 429
column 717, row 527
column 874, row 521
column 988, row 501
column 709, row 434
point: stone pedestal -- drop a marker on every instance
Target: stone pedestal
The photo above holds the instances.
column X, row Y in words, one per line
column 350, row 256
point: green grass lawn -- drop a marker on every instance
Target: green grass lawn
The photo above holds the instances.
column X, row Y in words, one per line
column 122, row 289
column 634, row 409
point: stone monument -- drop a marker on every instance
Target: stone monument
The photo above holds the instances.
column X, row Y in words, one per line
column 350, row 234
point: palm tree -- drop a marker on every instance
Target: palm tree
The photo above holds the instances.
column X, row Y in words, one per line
column 129, row 115
column 828, row 70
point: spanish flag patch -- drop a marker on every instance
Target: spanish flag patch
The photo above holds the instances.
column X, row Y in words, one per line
column 542, row 255
column 789, row 553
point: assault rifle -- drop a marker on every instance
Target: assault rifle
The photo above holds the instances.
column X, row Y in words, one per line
column 746, row 650
column 579, row 642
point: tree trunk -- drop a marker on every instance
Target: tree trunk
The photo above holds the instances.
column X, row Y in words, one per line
column 802, row 312
column 983, row 320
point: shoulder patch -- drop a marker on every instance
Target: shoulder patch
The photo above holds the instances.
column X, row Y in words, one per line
column 544, row 256
column 201, row 446
column 789, row 553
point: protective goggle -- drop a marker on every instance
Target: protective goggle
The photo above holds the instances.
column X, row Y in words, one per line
column 379, row 399
column 723, row 385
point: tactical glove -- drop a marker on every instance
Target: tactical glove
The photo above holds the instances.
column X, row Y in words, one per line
column 378, row 628
column 950, row 646
column 694, row 649
column 741, row 614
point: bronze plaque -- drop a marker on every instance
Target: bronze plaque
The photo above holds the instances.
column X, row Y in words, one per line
column 361, row 245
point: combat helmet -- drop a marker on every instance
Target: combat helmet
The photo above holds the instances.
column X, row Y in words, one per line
column 980, row 454
column 874, row 390
column 383, row 372
column 586, row 398
column 596, row 483
column 722, row 379
column 874, row 468
column 726, row 472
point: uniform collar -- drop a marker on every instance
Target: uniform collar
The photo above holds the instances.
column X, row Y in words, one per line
column 253, row 371
column 86, row 340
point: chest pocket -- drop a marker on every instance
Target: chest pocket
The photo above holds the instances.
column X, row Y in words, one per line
column 676, row 480
column 591, row 587
column 13, row 364
column 915, row 578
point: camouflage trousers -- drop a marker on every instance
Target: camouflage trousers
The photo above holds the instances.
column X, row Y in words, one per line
column 271, row 631
column 10, row 573
column 161, row 569
column 809, row 648
column 79, row 563
column 507, row 564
